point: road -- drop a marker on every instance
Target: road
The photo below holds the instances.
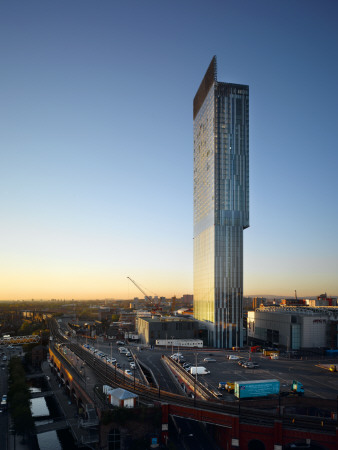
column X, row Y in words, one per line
column 3, row 414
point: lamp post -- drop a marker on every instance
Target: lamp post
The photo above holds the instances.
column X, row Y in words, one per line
column 195, row 380
column 279, row 406
column 85, row 377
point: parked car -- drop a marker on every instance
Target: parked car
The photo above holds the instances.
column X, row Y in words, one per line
column 248, row 365
column 178, row 358
column 241, row 362
column 128, row 372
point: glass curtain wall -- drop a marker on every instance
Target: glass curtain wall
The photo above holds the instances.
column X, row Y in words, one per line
column 221, row 209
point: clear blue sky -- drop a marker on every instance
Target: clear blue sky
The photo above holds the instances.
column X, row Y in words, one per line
column 96, row 147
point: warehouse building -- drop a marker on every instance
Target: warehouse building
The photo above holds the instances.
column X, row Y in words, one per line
column 294, row 328
column 152, row 328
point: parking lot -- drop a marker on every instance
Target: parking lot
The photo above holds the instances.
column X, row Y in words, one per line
column 317, row 381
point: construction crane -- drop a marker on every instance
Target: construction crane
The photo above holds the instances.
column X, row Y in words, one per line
column 156, row 306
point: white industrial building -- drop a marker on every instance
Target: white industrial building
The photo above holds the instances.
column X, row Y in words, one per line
column 293, row 327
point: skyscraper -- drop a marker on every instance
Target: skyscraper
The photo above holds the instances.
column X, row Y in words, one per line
column 221, row 206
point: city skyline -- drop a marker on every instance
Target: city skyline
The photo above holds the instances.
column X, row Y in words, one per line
column 96, row 144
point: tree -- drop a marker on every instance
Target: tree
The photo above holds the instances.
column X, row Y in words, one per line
column 19, row 398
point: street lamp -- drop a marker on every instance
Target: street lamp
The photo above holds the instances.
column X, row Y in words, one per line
column 195, row 381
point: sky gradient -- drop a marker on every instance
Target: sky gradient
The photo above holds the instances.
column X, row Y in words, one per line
column 96, row 149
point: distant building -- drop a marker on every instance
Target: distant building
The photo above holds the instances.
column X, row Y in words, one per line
column 134, row 304
column 185, row 312
column 143, row 313
column 187, row 299
column 104, row 313
column 258, row 301
column 323, row 300
column 293, row 302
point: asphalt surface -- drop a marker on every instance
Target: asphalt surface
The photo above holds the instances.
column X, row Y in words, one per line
column 317, row 381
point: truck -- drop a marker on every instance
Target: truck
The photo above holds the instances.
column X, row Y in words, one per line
column 297, row 388
column 199, row 370
column 256, row 388
column 226, row 386
column 269, row 352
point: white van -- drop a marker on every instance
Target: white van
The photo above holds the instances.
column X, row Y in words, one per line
column 198, row 370
column 233, row 357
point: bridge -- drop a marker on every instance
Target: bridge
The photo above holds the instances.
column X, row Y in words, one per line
column 42, row 394
column 52, row 426
column 18, row 340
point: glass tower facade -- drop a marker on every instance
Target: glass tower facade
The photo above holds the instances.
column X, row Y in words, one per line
column 221, row 206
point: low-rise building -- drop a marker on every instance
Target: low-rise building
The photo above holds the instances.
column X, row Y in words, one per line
column 293, row 327
column 152, row 328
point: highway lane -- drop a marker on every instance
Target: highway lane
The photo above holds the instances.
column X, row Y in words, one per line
column 150, row 358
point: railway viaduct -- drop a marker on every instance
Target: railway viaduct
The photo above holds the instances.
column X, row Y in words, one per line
column 70, row 380
column 230, row 432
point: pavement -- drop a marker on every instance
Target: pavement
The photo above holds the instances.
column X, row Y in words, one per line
column 68, row 408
